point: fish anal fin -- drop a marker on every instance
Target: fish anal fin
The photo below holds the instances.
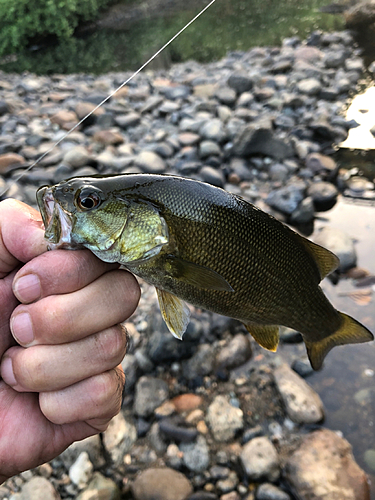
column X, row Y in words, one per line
column 175, row 312
column 267, row 336
column 196, row 275
column 350, row 332
column 326, row 260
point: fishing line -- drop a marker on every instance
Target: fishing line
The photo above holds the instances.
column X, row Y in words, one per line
column 108, row 97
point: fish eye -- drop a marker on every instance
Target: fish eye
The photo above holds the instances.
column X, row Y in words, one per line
column 87, row 200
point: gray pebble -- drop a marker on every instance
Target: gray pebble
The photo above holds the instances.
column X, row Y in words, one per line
column 260, row 460
column 224, row 419
column 196, row 455
column 267, row 491
column 150, row 393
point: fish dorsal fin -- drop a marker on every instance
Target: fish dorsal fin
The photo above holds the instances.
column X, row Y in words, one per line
column 196, row 275
column 326, row 260
column 144, row 234
column 175, row 312
column 267, row 336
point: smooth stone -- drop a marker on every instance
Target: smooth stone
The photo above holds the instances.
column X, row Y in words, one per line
column 77, row 156
column 286, row 199
column 369, row 459
column 302, row 367
column 81, row 470
column 302, row 404
column 240, row 81
column 161, row 483
column 156, row 439
column 324, row 195
column 267, row 491
column 319, row 163
column 9, row 159
column 176, row 92
column 119, row 437
column 173, row 429
column 334, row 58
column 226, row 96
column 209, row 148
column 236, row 353
column 213, row 130
column 212, row 176
column 150, row 162
column 152, row 103
column 186, row 402
column 260, row 460
column 203, row 495
column 196, row 455
column 340, row 244
column 258, row 137
column 188, row 138
column 82, row 109
column 323, row 466
column 304, row 212
column 130, row 367
column 38, row 488
column 150, row 392
column 65, row 119
column 4, row 107
column 128, row 120
column 224, row 419
column 228, row 484
column 309, row 86
column 278, row 172
column 108, row 137
column 100, row 488
column 201, row 364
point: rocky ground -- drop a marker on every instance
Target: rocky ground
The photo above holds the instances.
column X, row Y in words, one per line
column 215, row 416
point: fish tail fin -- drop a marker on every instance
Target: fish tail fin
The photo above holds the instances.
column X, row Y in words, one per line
column 350, row 332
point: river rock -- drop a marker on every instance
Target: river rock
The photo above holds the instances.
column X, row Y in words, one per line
column 201, row 364
column 196, row 455
column 304, row 213
column 65, row 119
column 224, row 419
column 119, row 437
column 128, row 120
column 240, row 81
column 323, row 194
column 77, row 157
column 302, row 403
column 161, row 484
column 81, row 471
column 150, row 392
column 8, row 159
column 285, row 199
column 340, row 244
column 150, row 162
column 309, row 86
column 260, row 460
column 187, row 402
column 226, row 96
column 212, row 176
column 319, row 163
column 38, row 488
column 213, row 130
column 100, row 488
column 267, row 491
column 323, row 467
column 236, row 353
column 258, row 137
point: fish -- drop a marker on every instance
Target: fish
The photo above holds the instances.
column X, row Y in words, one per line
column 199, row 244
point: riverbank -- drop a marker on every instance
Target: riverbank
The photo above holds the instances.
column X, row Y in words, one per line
column 222, row 417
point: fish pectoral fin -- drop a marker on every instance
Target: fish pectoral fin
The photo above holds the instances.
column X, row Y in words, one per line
column 350, row 332
column 196, row 275
column 267, row 336
column 326, row 261
column 175, row 312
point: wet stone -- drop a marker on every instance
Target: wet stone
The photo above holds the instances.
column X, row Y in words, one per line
column 213, row 130
column 150, row 393
column 100, row 487
column 340, row 244
column 209, row 148
column 212, row 176
column 236, row 353
column 163, row 483
column 150, row 162
column 267, row 491
column 77, row 157
column 260, row 460
column 302, row 403
column 224, row 419
column 285, row 199
column 196, row 455
column 323, row 194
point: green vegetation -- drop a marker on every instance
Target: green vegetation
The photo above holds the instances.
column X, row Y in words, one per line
column 227, row 25
column 25, row 20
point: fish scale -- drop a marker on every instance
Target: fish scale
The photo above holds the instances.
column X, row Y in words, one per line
column 200, row 244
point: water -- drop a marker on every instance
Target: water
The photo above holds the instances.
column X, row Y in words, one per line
column 346, row 384
column 228, row 25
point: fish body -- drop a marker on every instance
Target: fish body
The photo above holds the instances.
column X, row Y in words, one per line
column 200, row 244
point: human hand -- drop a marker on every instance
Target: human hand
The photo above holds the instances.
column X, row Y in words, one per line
column 60, row 380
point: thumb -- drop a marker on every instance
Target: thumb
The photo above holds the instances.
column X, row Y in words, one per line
column 21, row 235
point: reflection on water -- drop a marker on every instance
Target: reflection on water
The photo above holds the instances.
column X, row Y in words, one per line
column 347, row 382
column 362, row 110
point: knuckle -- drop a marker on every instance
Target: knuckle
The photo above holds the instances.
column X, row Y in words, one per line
column 108, row 391
column 112, row 344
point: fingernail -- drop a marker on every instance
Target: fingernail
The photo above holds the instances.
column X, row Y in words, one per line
column 22, row 328
column 27, row 288
column 7, row 372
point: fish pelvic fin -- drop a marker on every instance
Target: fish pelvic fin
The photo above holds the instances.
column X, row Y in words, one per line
column 175, row 312
column 350, row 332
column 267, row 336
column 326, row 261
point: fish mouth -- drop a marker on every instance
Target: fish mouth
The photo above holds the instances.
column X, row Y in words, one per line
column 58, row 222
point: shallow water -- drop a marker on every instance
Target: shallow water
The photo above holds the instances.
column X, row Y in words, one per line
column 346, row 383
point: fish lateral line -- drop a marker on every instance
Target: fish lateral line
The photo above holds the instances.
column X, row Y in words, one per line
column 109, row 96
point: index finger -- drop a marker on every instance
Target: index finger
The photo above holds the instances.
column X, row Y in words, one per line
column 21, row 235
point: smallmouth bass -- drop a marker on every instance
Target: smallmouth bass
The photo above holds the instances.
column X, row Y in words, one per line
column 200, row 244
